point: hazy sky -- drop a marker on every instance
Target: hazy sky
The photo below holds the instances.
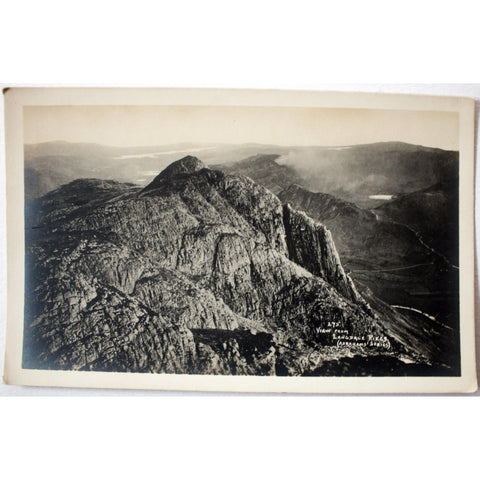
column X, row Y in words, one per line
column 163, row 125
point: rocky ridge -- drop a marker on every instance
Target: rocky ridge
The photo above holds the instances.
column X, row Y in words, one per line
column 401, row 252
column 199, row 272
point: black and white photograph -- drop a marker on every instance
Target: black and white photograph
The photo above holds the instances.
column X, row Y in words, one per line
column 239, row 240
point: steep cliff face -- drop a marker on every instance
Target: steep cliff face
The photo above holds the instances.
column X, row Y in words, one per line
column 310, row 245
column 199, row 272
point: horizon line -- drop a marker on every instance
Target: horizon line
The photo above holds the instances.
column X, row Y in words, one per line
column 225, row 144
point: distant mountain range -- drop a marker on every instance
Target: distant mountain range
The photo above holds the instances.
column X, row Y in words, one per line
column 354, row 173
column 358, row 173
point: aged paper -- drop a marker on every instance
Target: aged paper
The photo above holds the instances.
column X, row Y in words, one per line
column 229, row 240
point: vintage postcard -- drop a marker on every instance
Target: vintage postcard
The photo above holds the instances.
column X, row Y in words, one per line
column 240, row 240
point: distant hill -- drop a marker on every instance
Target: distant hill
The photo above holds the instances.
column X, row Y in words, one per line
column 359, row 172
column 356, row 173
column 433, row 213
column 264, row 169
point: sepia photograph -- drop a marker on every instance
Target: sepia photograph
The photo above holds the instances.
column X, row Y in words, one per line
column 240, row 240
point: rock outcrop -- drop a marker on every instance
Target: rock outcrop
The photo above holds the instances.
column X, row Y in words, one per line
column 310, row 245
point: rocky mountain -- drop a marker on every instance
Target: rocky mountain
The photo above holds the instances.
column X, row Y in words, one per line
column 199, row 272
column 405, row 250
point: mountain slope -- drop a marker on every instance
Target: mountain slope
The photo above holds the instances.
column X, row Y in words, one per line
column 199, row 272
column 360, row 236
column 433, row 213
column 392, row 251
column 263, row 169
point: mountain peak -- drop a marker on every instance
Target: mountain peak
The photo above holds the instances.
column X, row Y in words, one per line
column 188, row 164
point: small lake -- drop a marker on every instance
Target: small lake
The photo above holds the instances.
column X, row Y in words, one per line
column 158, row 154
column 380, row 197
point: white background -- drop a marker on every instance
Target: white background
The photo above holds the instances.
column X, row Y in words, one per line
column 408, row 46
